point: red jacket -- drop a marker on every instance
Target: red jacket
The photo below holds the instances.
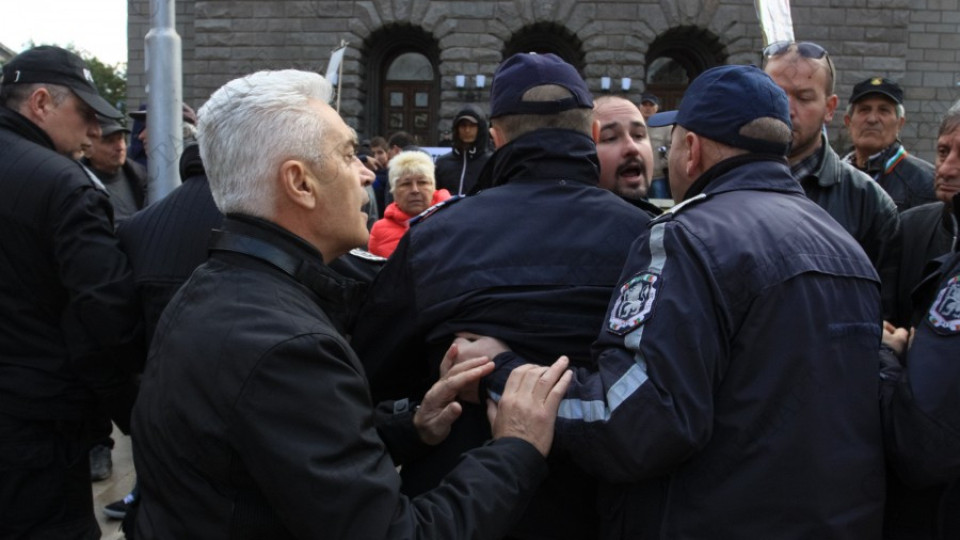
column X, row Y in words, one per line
column 387, row 232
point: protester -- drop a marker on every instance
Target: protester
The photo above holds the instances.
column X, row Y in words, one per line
column 806, row 73
column 623, row 147
column 921, row 410
column 874, row 118
column 66, row 298
column 254, row 416
column 414, row 189
column 930, row 230
column 457, row 172
column 125, row 179
column 531, row 259
column 734, row 386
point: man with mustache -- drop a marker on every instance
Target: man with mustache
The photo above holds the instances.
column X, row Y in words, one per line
column 874, row 118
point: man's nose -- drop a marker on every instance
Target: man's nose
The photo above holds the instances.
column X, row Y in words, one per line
column 366, row 176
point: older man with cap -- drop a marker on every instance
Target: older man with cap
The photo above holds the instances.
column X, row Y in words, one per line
column 66, row 298
column 734, row 392
column 457, row 172
column 125, row 179
column 874, row 118
column 531, row 259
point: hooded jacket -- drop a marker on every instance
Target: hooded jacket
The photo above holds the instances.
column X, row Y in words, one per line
column 457, row 172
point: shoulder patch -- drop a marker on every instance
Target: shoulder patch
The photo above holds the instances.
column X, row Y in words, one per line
column 944, row 314
column 434, row 209
column 366, row 255
column 634, row 305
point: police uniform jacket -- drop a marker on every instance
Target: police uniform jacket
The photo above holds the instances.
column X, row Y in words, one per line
column 531, row 260
column 922, row 412
column 66, row 295
column 865, row 211
column 254, row 418
column 735, row 387
column 905, row 177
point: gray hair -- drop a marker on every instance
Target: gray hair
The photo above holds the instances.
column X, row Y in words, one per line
column 901, row 111
column 13, row 96
column 951, row 120
column 250, row 126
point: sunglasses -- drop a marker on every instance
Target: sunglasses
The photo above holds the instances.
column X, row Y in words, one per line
column 806, row 49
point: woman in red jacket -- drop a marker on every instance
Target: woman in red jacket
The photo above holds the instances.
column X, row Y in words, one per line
column 414, row 190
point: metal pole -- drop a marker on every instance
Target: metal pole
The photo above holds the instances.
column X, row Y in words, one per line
column 343, row 45
column 164, row 100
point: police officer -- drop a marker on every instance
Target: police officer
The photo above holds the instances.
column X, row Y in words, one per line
column 531, row 259
column 735, row 387
column 66, row 298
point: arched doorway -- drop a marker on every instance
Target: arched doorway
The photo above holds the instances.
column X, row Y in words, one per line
column 547, row 38
column 676, row 57
column 408, row 97
column 403, row 91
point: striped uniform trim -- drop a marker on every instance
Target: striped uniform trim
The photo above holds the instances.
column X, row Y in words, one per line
column 636, row 375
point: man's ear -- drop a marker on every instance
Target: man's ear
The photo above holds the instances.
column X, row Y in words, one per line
column 695, row 156
column 846, row 120
column 497, row 136
column 297, row 184
column 831, row 108
column 38, row 104
column 595, row 128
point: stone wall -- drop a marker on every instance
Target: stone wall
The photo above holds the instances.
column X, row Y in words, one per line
column 916, row 42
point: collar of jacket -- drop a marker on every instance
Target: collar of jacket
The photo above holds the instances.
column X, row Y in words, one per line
column 190, row 163
column 766, row 173
column 882, row 162
column 339, row 296
column 828, row 173
column 544, row 154
column 13, row 121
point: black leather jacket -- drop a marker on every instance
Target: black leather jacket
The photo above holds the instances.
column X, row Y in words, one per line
column 66, row 294
column 906, row 178
column 254, row 418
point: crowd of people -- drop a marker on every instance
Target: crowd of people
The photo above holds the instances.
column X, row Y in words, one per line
column 314, row 337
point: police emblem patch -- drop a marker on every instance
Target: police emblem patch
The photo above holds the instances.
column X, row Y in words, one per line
column 635, row 303
column 944, row 314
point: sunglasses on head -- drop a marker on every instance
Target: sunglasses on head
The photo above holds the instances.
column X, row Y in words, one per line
column 806, row 49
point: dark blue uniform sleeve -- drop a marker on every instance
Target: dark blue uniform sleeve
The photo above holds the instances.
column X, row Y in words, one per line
column 922, row 408
column 647, row 405
column 388, row 337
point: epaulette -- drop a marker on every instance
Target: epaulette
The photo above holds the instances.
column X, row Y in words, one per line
column 677, row 208
column 367, row 256
column 434, row 209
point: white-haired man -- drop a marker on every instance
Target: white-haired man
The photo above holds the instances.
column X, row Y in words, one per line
column 254, row 415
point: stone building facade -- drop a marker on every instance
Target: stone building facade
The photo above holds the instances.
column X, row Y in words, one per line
column 411, row 64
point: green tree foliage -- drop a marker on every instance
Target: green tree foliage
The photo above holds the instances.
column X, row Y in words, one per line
column 111, row 81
